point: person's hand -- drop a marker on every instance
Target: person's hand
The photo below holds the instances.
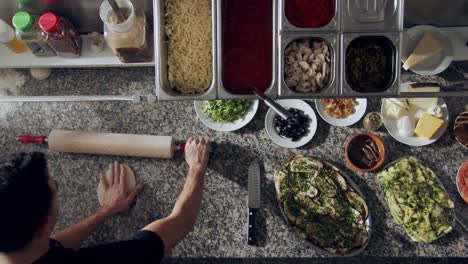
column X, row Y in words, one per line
column 197, row 154
column 117, row 198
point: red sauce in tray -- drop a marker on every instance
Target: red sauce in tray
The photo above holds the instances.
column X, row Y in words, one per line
column 310, row 13
column 247, row 45
column 462, row 181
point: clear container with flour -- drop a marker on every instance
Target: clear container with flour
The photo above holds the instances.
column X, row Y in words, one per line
column 129, row 39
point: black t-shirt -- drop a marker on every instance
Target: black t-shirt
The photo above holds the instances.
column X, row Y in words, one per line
column 145, row 247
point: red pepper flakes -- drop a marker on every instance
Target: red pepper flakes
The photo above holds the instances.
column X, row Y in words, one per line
column 310, row 13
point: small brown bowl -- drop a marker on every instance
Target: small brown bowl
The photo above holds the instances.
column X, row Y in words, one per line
column 351, row 159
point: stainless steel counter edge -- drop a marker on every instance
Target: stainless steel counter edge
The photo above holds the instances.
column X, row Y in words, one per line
column 272, row 91
column 163, row 91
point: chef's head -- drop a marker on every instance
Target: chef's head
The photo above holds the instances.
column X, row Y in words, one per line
column 28, row 201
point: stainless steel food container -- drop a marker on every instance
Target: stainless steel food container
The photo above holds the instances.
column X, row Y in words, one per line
column 392, row 90
column 333, row 25
column 333, row 87
column 272, row 91
column 164, row 90
column 372, row 15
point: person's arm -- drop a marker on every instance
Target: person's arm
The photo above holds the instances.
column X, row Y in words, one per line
column 180, row 222
column 116, row 199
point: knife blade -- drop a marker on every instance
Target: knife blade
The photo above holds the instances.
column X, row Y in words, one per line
column 254, row 199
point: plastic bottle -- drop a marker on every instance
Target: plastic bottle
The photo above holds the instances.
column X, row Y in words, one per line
column 128, row 39
column 28, row 31
column 7, row 36
column 61, row 35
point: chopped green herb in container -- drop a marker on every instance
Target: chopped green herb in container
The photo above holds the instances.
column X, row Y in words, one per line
column 226, row 111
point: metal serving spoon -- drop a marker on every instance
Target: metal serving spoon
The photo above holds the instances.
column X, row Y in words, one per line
column 281, row 111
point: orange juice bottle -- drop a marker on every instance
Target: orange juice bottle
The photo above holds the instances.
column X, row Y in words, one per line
column 8, row 37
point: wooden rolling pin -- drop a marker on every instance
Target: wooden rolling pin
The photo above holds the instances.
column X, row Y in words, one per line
column 106, row 144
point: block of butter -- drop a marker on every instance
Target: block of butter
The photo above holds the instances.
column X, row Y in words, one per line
column 427, row 47
column 428, row 125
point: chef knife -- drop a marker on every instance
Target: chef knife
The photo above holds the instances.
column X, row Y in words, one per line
column 254, row 199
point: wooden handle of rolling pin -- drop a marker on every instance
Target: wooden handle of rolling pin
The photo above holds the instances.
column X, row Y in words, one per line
column 106, row 144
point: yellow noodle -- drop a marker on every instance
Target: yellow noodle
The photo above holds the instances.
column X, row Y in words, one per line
column 189, row 32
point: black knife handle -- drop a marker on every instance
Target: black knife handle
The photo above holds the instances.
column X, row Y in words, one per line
column 251, row 228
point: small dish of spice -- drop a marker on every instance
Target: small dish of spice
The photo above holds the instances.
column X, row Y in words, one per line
column 365, row 152
column 372, row 121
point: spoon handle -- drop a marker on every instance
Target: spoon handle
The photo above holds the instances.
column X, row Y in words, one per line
column 118, row 12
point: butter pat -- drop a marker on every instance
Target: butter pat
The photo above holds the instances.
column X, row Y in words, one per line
column 428, row 125
column 423, row 103
column 427, row 47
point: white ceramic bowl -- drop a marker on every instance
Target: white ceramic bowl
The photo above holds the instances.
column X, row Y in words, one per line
column 286, row 142
column 360, row 111
column 226, row 127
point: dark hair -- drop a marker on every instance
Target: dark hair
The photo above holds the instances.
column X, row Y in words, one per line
column 25, row 199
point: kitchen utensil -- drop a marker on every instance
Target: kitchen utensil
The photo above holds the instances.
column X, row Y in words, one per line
column 106, row 144
column 254, row 199
column 118, row 12
column 285, row 114
column 359, row 111
column 226, row 127
column 287, row 142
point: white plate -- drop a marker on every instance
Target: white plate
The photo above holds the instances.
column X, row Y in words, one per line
column 391, row 126
column 352, row 119
column 285, row 142
column 226, row 127
column 435, row 65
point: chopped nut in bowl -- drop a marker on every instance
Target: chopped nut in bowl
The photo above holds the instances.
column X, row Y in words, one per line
column 307, row 65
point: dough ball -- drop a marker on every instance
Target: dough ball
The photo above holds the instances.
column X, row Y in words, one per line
column 129, row 178
column 41, row 73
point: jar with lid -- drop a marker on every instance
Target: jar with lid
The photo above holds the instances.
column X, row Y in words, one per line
column 128, row 39
column 8, row 37
column 28, row 31
column 61, row 35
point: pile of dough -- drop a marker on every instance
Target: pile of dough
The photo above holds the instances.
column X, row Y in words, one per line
column 129, row 181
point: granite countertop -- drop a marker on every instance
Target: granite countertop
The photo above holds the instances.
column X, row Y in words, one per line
column 221, row 228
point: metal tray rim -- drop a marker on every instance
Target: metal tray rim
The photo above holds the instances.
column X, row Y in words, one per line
column 437, row 180
column 161, row 92
column 334, row 25
column 395, row 39
column 368, row 222
column 272, row 91
column 333, row 88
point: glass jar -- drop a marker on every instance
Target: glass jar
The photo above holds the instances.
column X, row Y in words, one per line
column 7, row 37
column 61, row 35
column 128, row 39
column 28, row 31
